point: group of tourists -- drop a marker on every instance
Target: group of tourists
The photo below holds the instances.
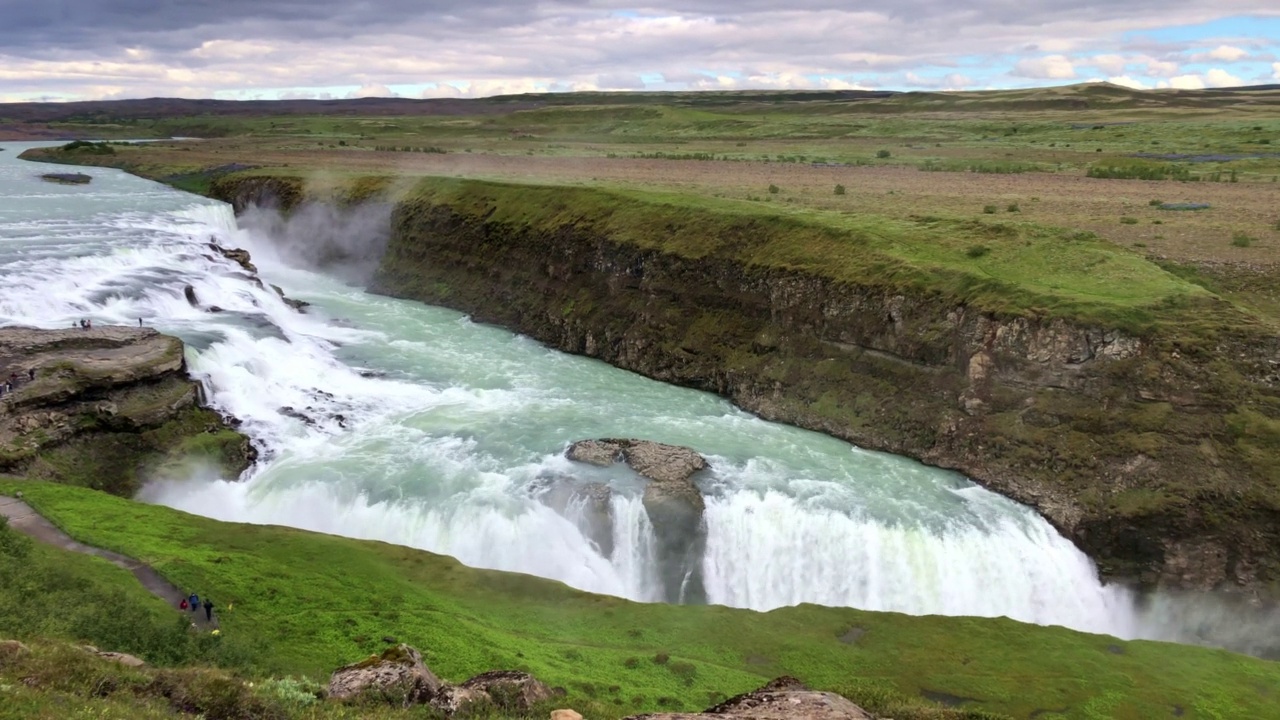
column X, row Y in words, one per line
column 11, row 383
column 192, row 602
column 83, row 324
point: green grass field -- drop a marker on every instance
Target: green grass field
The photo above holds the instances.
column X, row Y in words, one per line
column 302, row 604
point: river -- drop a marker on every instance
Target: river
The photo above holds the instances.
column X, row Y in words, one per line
column 438, row 433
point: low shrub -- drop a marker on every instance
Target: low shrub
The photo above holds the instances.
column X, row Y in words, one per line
column 839, row 189
column 989, row 209
column 1128, row 221
column 1242, row 240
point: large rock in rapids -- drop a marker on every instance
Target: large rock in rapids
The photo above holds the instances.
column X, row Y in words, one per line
column 672, row 501
column 399, row 672
column 782, row 699
column 236, row 255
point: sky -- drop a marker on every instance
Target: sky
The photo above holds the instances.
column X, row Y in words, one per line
column 282, row 49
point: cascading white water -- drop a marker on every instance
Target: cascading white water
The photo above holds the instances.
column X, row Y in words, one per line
column 427, row 430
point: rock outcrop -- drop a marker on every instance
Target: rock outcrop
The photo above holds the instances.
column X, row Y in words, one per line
column 508, row 690
column 1120, row 438
column 399, row 674
column 237, row 256
column 782, row 699
column 106, row 407
column 671, row 500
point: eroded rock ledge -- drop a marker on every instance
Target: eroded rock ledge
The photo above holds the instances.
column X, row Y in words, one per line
column 106, row 408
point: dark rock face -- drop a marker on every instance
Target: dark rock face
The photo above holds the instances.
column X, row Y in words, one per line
column 782, row 699
column 1120, row 441
column 117, row 399
column 672, row 501
column 236, row 255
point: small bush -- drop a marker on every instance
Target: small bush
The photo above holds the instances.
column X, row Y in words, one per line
column 1013, row 207
column 839, row 189
column 1139, row 245
column 977, row 251
column 882, row 154
column 1128, row 221
column 989, row 209
column 631, row 663
column 774, row 189
column 1155, row 203
column 1241, row 240
column 661, row 659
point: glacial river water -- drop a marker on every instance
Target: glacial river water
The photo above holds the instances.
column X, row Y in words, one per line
column 433, row 431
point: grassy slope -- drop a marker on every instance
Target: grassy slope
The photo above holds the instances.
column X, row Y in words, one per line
column 311, row 602
column 1018, row 268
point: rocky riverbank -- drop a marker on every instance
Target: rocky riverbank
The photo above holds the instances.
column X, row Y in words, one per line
column 107, row 408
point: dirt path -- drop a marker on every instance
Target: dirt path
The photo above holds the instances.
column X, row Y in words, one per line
column 23, row 518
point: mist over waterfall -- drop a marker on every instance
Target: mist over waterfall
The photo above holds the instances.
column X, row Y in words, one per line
column 384, row 419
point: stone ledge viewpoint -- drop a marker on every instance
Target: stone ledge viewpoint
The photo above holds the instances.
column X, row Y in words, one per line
column 107, row 408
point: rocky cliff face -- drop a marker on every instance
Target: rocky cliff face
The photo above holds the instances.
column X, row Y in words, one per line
column 106, row 407
column 1143, row 450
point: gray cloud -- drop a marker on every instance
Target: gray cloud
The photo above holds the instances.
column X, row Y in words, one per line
column 131, row 48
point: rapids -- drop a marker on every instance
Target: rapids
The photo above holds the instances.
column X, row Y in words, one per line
column 432, row 431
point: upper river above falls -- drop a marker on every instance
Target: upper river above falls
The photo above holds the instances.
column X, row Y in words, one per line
column 432, row 431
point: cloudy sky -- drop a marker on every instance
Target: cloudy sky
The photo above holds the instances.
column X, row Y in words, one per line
column 95, row 49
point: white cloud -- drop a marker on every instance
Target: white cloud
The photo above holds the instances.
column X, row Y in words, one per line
column 1126, row 81
column 1186, row 82
column 372, row 90
column 1275, row 70
column 1049, row 67
column 1162, row 68
column 1221, row 78
column 1227, row 53
column 1111, row 64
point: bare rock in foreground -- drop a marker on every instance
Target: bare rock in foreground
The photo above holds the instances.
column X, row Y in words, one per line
column 398, row 672
column 782, row 699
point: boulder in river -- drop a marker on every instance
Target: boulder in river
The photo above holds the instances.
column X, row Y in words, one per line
column 67, row 178
column 671, row 500
column 398, row 672
column 189, row 293
column 782, row 699
column 236, row 255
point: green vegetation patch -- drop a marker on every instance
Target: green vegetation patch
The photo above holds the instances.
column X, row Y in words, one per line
column 313, row 602
column 1029, row 269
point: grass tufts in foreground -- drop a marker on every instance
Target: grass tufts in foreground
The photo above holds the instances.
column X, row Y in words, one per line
column 305, row 603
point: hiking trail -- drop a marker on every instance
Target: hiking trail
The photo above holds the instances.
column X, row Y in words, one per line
column 23, row 518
